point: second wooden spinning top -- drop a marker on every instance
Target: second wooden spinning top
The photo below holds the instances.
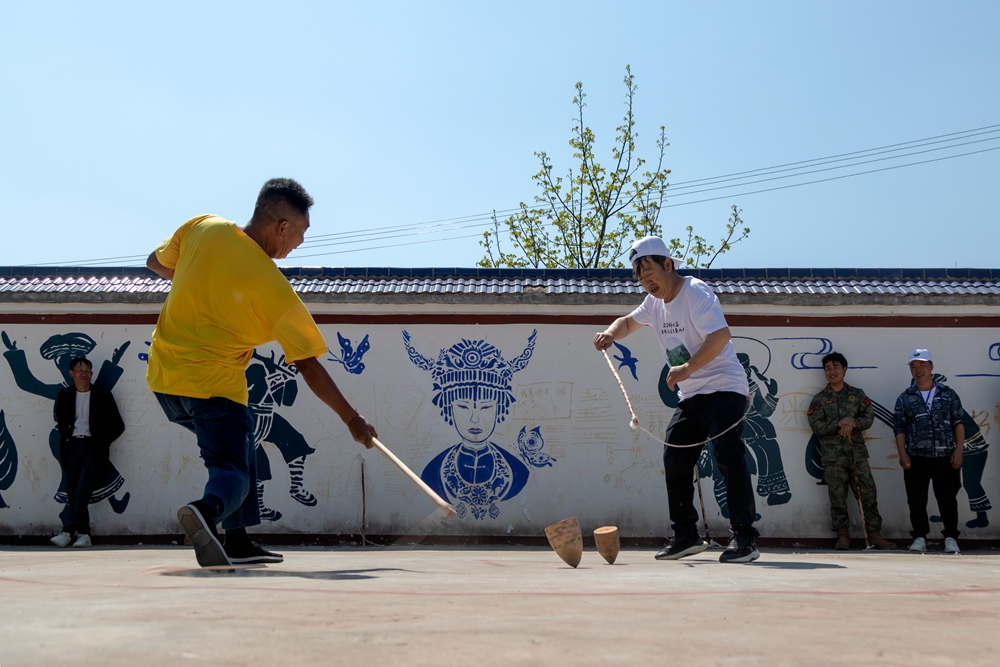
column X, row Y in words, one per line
column 608, row 544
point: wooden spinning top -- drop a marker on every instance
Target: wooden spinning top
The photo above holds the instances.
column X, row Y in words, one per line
column 566, row 540
column 608, row 545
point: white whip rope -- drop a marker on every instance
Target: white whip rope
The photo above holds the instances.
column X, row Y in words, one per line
column 634, row 423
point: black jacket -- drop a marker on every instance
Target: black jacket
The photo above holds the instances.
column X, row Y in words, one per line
column 105, row 421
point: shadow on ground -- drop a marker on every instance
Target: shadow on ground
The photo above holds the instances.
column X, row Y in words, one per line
column 775, row 565
column 263, row 573
column 798, row 565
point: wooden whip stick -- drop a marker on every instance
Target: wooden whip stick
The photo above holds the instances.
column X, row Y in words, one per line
column 701, row 498
column 442, row 504
column 857, row 492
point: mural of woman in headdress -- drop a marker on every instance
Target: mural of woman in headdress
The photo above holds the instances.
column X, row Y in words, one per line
column 61, row 349
column 472, row 389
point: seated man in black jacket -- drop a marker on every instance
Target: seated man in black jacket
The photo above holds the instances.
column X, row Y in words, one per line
column 88, row 421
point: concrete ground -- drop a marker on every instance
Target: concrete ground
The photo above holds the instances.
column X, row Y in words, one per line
column 496, row 606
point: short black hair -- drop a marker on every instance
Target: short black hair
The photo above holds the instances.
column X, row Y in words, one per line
column 836, row 357
column 80, row 360
column 640, row 262
column 279, row 191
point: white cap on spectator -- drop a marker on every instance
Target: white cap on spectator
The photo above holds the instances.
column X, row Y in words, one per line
column 919, row 354
column 651, row 245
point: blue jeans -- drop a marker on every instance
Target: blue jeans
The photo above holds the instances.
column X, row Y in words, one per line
column 225, row 436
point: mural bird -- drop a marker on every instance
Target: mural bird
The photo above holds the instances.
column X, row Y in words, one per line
column 626, row 359
column 350, row 358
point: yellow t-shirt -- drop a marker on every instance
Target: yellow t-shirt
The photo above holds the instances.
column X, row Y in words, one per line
column 227, row 298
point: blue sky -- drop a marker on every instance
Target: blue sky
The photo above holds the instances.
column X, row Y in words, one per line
column 120, row 121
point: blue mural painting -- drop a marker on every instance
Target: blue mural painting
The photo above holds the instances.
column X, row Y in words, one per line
column 271, row 384
column 473, row 391
column 760, row 437
column 811, row 361
column 8, row 459
column 350, row 358
column 763, row 453
column 627, row 360
column 61, row 349
column 530, row 444
column 993, row 354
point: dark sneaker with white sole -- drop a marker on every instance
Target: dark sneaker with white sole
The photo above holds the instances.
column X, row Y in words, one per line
column 741, row 549
column 207, row 548
column 679, row 547
column 252, row 552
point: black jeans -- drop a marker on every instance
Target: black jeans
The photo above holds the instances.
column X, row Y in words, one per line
column 947, row 481
column 698, row 418
column 81, row 468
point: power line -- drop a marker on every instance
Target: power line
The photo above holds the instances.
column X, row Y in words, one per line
column 480, row 220
column 741, row 194
column 830, row 157
column 724, row 187
column 672, row 191
column 916, row 143
column 842, row 166
column 394, row 245
column 832, row 178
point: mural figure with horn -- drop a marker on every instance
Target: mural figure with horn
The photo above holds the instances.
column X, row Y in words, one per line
column 472, row 389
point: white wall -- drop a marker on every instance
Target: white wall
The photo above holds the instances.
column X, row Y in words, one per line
column 603, row 472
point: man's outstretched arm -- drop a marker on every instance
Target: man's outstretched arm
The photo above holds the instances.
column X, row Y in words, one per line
column 153, row 264
column 326, row 390
column 619, row 329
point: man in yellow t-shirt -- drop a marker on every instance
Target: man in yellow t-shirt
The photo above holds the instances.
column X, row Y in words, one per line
column 228, row 297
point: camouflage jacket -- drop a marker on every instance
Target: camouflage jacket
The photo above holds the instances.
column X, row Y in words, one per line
column 933, row 437
column 828, row 407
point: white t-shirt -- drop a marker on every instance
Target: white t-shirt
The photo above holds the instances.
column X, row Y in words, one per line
column 82, row 424
column 681, row 327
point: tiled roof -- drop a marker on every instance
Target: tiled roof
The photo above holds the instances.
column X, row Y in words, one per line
column 109, row 281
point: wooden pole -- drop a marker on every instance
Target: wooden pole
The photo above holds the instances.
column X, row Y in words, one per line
column 442, row 504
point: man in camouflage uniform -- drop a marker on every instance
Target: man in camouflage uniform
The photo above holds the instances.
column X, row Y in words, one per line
column 839, row 415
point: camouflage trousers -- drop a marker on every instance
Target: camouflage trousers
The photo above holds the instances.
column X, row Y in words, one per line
column 839, row 478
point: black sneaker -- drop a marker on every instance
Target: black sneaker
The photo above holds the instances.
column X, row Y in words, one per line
column 207, row 548
column 741, row 549
column 680, row 547
column 251, row 552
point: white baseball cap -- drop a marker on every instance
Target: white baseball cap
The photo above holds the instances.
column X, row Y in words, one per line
column 652, row 245
column 919, row 354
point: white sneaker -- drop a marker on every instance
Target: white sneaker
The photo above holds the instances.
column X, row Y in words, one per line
column 951, row 546
column 82, row 542
column 62, row 540
column 919, row 545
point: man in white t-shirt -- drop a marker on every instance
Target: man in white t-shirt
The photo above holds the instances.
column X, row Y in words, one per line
column 692, row 331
